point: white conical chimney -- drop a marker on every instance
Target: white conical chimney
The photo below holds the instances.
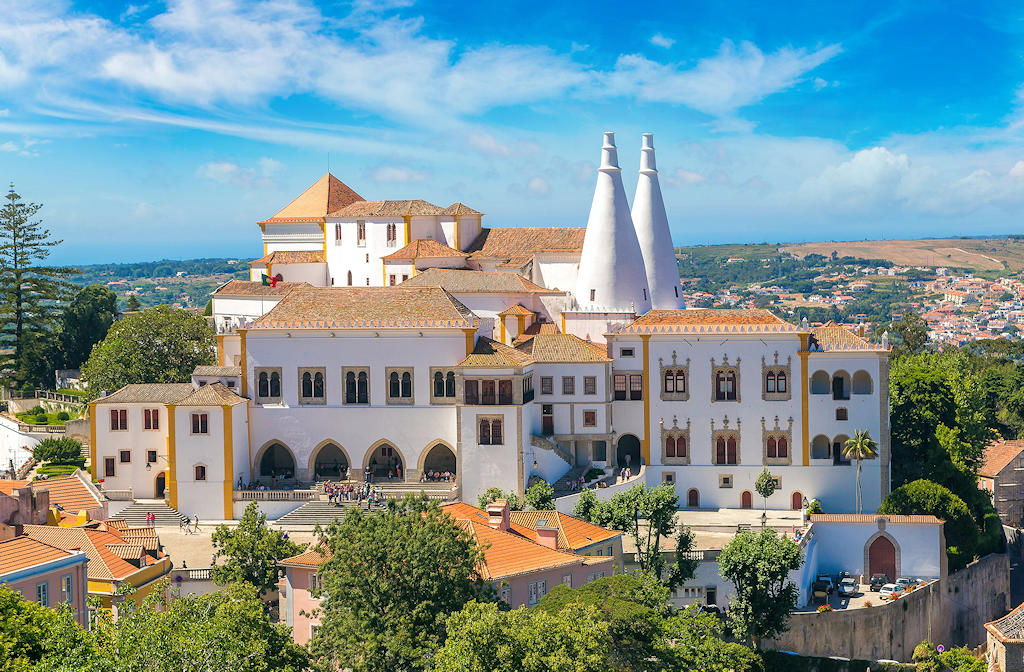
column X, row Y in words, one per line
column 653, row 233
column 611, row 276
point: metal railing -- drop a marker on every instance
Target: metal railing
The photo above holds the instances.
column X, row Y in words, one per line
column 274, row 495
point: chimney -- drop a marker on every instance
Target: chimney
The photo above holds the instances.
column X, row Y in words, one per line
column 497, row 515
column 653, row 234
column 547, row 534
column 41, row 506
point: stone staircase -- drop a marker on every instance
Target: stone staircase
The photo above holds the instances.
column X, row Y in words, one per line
column 135, row 513
column 316, row 513
column 544, row 443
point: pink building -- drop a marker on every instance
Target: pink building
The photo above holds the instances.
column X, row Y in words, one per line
column 46, row 574
column 526, row 554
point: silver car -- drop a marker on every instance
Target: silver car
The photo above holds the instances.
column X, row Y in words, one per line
column 889, row 591
column 849, row 587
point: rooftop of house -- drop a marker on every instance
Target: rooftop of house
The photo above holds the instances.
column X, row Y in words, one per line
column 409, row 208
column 160, row 393
column 998, row 455
column 463, row 281
column 106, row 548
column 214, row 394
column 324, row 196
column 368, row 307
column 835, row 337
column 69, row 492
column 534, row 329
column 554, row 348
column 248, row 289
column 490, row 354
column 462, row 210
column 514, row 247
column 23, row 552
column 710, row 320
column 1009, row 628
column 290, row 257
column 516, row 309
column 423, row 248
column 217, row 371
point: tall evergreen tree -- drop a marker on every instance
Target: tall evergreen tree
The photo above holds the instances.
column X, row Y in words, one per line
column 30, row 293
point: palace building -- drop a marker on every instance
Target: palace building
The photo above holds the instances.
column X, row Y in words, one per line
column 404, row 338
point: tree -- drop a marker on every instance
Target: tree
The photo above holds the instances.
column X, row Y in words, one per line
column 63, row 450
column 30, row 293
column 390, row 581
column 765, row 486
column 922, row 497
column 85, row 322
column 24, row 629
column 131, row 304
column 861, row 446
column 758, row 565
column 251, row 550
column 158, row 345
column 586, row 506
column 224, row 631
column 540, row 497
column 494, row 494
column 911, row 335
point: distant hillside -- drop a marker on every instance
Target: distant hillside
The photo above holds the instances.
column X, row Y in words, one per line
column 976, row 254
column 159, row 282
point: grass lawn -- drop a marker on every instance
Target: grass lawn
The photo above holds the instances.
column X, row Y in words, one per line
column 75, row 393
column 57, row 469
column 50, row 419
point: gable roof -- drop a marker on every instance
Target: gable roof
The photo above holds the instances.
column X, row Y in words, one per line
column 246, row 289
column 552, row 348
column 410, row 208
column 534, row 329
column 998, row 455
column 516, row 246
column 710, row 320
column 321, row 198
column 225, row 371
column 516, row 309
column 23, row 552
column 490, row 354
column 290, row 257
column 159, row 393
column 400, row 306
column 573, row 533
column 835, row 337
column 70, row 492
column 214, row 394
column 424, row 247
column 461, row 209
column 463, row 281
column 104, row 563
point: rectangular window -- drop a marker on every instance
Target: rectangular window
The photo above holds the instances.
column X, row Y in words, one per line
column 200, row 472
column 537, row 590
column 200, row 423
column 118, row 420
column 589, row 384
column 472, row 392
column 590, row 418
column 150, row 456
column 527, row 389
column 568, row 385
column 404, row 277
column 126, row 456
column 620, row 387
column 361, row 233
column 67, row 583
column 627, row 352
column 505, row 392
column 636, row 387
column 487, row 395
column 151, row 418
column 567, row 580
column 842, row 414
column 337, row 234
column 357, row 385
column 108, row 467
column 547, row 385
column 600, row 451
column 42, row 594
column 489, row 431
column 391, row 279
column 506, row 594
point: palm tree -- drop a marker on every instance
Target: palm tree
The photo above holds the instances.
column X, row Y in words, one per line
column 861, row 446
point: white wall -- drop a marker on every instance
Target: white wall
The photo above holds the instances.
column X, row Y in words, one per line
column 13, row 444
column 314, row 274
column 840, row 546
column 202, row 498
column 138, row 441
column 293, row 236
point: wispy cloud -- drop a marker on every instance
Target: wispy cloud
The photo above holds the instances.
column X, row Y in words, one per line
column 398, row 174
column 229, row 172
column 660, row 40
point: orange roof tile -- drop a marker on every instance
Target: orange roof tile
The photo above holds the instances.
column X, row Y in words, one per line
column 69, row 492
column 516, row 246
column 24, row 552
column 245, row 288
column 998, row 454
column 424, row 248
column 310, row 558
column 534, row 329
column 517, row 309
column 291, row 257
column 103, row 563
column 490, row 354
column 834, row 337
column 463, row 281
column 387, row 209
column 322, row 197
column 460, row 209
column 573, row 533
column 135, row 393
column 368, row 307
column 710, row 321
column 214, row 394
column 553, row 348
column 507, row 554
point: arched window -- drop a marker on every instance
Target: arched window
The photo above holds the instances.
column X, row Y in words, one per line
column 730, row 449
column 681, row 446
column 769, row 382
column 318, row 385
column 449, row 384
column 407, row 384
column 275, row 384
column 438, row 384
column 820, row 383
column 307, row 384
column 772, row 447
column 821, row 448
column 362, row 389
column 725, row 385
column 350, row 278
column 862, row 382
column 350, row 388
column 670, row 381
column 394, row 386
column 783, row 447
column 263, row 387
column 720, row 451
column 485, row 432
column 681, row 381
column 780, row 382
column 670, row 447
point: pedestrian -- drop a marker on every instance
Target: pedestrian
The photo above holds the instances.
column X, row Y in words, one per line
column 197, row 524
column 181, row 524
column 184, row 565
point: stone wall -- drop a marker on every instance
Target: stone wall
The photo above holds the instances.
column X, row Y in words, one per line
column 951, row 612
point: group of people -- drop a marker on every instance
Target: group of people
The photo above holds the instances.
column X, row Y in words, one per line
column 574, row 484
column 394, row 470
column 353, row 492
column 430, row 476
column 189, row 525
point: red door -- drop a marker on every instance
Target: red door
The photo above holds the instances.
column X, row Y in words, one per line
column 547, row 419
column 746, row 500
column 693, row 499
column 882, row 558
column 798, row 501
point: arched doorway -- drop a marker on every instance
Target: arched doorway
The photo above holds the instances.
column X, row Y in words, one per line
column 797, row 500
column 440, row 459
column 161, row 484
column 882, row 558
column 746, row 500
column 277, row 463
column 693, row 498
column 330, row 463
column 385, row 461
column 628, row 452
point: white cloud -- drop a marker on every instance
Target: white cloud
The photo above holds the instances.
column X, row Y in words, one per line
column 397, row 174
column 539, row 186
column 9, row 147
column 228, row 172
column 683, row 176
column 819, row 83
column 660, row 40
column 870, row 177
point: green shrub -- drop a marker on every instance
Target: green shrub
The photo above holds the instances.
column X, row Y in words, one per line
column 593, row 473
column 37, row 410
column 991, row 539
column 63, row 450
column 64, row 416
column 814, row 507
column 739, row 658
column 58, row 469
column 923, row 497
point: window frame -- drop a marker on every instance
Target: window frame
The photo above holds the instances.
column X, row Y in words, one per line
column 589, row 386
column 671, row 376
column 359, row 374
column 196, row 473
column 121, row 455
column 109, row 467
column 119, row 419
column 676, row 434
column 406, row 392
column 592, row 413
column 312, row 399
column 490, row 421
column 568, row 385
column 199, row 423
column 43, row 594
column 270, row 398
column 67, row 588
column 547, row 385
column 151, row 419
column 444, row 398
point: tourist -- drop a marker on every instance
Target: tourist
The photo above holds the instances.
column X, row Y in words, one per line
column 197, row 524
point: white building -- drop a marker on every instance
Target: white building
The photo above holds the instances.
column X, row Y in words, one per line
column 400, row 337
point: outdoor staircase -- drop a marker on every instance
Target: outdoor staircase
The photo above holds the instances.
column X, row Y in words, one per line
column 316, row 513
column 572, row 475
column 544, row 443
column 135, row 514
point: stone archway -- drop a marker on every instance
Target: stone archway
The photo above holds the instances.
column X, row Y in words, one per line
column 160, row 485
column 275, row 461
column 384, row 457
column 882, row 553
column 438, row 456
column 628, row 446
column 329, row 461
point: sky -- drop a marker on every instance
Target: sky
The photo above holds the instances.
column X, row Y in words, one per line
column 168, row 129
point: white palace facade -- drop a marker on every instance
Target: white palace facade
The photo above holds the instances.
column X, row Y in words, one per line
column 401, row 337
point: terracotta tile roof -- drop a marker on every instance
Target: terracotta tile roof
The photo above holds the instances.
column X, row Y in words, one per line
column 834, row 337
column 709, row 321
column 998, row 454
column 291, row 257
column 387, row 209
column 217, row 371
column 324, row 196
column 158, row 393
column 460, row 209
column 245, row 288
column 400, row 306
column 490, row 354
column 24, row 552
column 103, row 563
column 310, row 558
column 580, row 533
column 127, row 551
column 516, row 246
column 424, row 247
column 1009, row 628
column 534, row 329
column 517, row 309
column 573, row 533
column 507, row 554
column 553, row 348
column 214, row 394
column 463, row 281
column 8, row 487
column 872, row 517
column 69, row 492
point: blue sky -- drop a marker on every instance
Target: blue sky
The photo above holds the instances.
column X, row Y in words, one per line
column 167, row 129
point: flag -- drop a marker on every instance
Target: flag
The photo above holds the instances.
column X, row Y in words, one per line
column 265, row 280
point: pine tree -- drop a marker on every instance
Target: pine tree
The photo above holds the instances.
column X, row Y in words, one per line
column 30, row 293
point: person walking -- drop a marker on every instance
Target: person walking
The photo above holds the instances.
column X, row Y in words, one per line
column 197, row 524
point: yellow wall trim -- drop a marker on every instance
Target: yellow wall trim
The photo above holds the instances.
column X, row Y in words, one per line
column 563, row 323
column 408, row 230
column 458, row 242
column 243, row 363
column 645, row 445
column 502, row 320
column 93, row 469
column 470, row 340
column 522, row 324
column 323, row 230
column 804, row 400
column 229, row 463
column 172, row 467
column 220, row 350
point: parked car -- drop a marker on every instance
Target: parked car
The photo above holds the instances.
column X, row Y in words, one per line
column 827, row 580
column 889, row 591
column 877, row 581
column 842, row 575
column 849, row 587
column 904, row 582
